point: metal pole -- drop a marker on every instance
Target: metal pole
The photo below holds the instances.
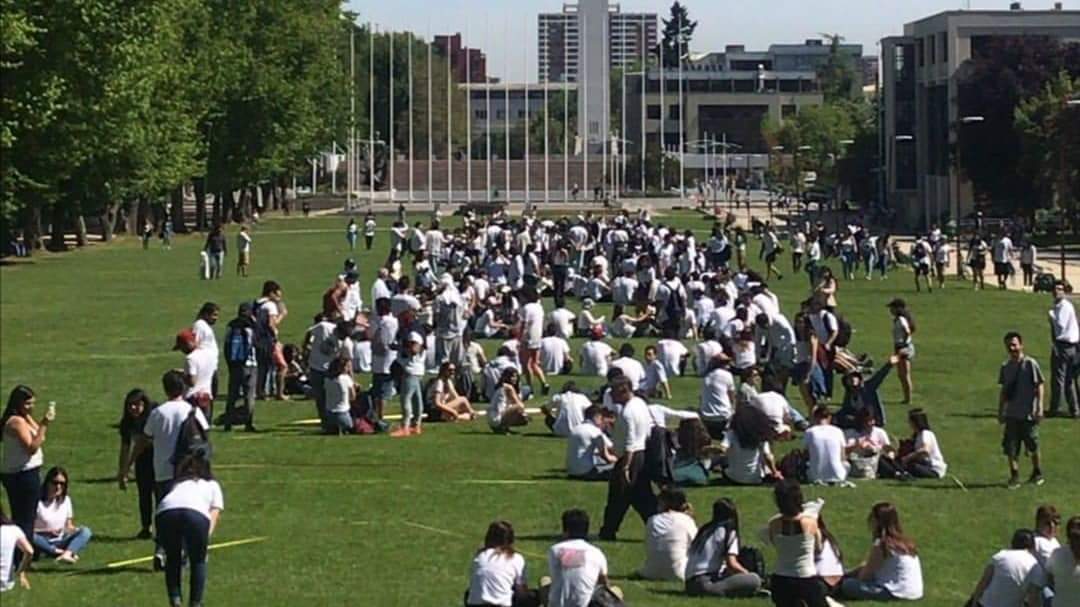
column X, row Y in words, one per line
column 449, row 131
column 663, row 111
column 333, row 174
column 584, row 82
column 644, row 72
column 506, row 104
column 410, row 120
column 723, row 153
column 390, row 141
column 430, row 134
column 547, row 157
column 468, row 114
column 352, row 114
column 605, row 138
column 622, row 128
column 487, row 122
column 525, row 35
column 682, row 120
column 371, row 117
column 566, row 112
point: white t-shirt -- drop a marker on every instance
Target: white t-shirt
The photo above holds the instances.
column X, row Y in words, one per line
column 532, row 317
column 828, row 564
column 632, row 369
column 928, row 440
column 667, row 541
column 826, row 443
column 744, row 466
column 383, row 336
column 575, row 567
column 163, row 427
column 716, row 391
column 52, row 518
column 774, row 406
column 554, row 351
column 670, row 352
column 200, row 364
column 199, row 495
column 1066, row 572
column 337, row 393
column 1044, row 547
column 204, row 335
column 571, row 407
column 564, row 322
column 361, row 356
column 9, row 538
column 595, row 356
column 632, row 426
column 901, row 575
column 704, row 354
column 878, row 438
column 655, row 374
column 713, row 554
column 583, row 447
column 494, row 576
column 1015, row 572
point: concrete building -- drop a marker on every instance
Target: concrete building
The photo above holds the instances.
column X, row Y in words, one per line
column 508, row 97
column 919, row 112
column 468, row 64
column 559, row 42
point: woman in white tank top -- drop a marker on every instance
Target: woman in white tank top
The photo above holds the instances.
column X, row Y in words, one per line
column 21, row 438
column 797, row 540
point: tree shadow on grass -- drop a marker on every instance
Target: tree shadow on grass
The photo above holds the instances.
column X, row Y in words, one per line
column 951, row 486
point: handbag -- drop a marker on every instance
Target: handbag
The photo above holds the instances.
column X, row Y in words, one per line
column 606, row 596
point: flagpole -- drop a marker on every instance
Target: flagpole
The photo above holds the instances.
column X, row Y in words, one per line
column 487, row 119
column 410, row 120
column 506, row 103
column 449, row 132
column 371, row 117
column 663, row 112
column 525, row 34
column 682, row 122
column 468, row 114
column 390, row 140
column 547, row 159
column 644, row 72
column 430, row 134
column 566, row 111
column 605, row 138
column 584, row 82
column 352, row 114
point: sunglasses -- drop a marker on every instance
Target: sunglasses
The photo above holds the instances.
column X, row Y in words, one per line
column 57, row 483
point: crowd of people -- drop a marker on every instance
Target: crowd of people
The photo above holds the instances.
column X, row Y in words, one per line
column 439, row 291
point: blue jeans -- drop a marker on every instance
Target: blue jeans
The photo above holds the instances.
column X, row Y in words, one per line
column 858, row 590
column 352, row 240
column 412, row 401
column 796, row 418
column 339, row 422
column 217, row 261
column 73, row 541
column 870, row 261
column 183, row 529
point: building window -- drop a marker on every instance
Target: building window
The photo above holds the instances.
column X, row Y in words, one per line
column 673, row 112
column 943, row 46
column 480, row 114
column 652, row 112
column 932, row 56
column 499, row 115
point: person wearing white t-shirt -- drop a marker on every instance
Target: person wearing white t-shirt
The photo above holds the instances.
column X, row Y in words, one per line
column 631, row 368
column 1013, row 577
column 186, row 518
column 532, row 333
column 497, row 575
column 892, row 570
column 926, row 460
column 369, row 230
column 596, row 355
column 630, row 484
column 340, row 391
column 199, row 367
column 555, row 355
column 668, row 534
column 12, row 538
column 1002, row 253
column 672, row 353
column 1063, row 567
column 712, row 565
column 717, row 398
column 163, row 428
column 589, row 454
column 746, row 445
column 655, row 383
column 827, row 449
column 563, row 320
column 55, row 532
column 204, row 327
column 576, row 567
column 1047, row 521
column 566, row 410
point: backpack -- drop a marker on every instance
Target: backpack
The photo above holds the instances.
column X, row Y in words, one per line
column 659, row 465
column 192, row 438
column 793, row 465
column 843, row 332
column 675, row 306
column 238, row 344
column 752, row 560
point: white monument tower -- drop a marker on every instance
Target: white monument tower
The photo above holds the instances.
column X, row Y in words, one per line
column 593, row 74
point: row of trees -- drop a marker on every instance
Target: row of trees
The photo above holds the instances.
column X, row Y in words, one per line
column 112, row 104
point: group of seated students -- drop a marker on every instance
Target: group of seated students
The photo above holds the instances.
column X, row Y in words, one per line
column 745, row 423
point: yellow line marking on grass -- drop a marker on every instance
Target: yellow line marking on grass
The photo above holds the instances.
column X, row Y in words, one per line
column 147, row 559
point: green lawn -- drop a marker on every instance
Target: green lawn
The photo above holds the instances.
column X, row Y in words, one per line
column 380, row 521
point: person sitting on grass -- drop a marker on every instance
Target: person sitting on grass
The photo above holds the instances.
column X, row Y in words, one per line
column 922, row 458
column 712, row 565
column 692, row 462
column 655, row 384
column 826, row 447
column 55, row 532
column 829, row 561
column 13, row 565
column 578, row 569
column 867, row 440
column 506, row 410
column 566, row 410
column 589, row 454
column 749, row 460
column 445, row 401
column 498, row 572
column 1013, row 576
column 861, row 394
column 668, row 534
column 891, row 570
column 340, row 393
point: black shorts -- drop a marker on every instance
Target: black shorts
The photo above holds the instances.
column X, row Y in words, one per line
column 1002, row 269
column 770, row 258
column 1019, row 431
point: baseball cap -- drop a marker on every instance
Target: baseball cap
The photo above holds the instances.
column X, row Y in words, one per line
column 185, row 338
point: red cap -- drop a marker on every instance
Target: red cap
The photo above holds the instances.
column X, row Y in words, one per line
column 185, row 339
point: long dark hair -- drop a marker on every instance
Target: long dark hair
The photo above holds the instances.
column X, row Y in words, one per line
column 500, row 538
column 194, row 465
column 751, row 426
column 900, row 309
column 788, row 497
column 918, row 418
column 828, row 536
column 885, row 522
column 724, row 515
column 50, row 476
column 1072, row 533
column 19, row 395
column 137, row 394
column 693, row 437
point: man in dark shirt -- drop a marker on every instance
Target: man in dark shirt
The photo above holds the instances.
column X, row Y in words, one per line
column 1020, row 408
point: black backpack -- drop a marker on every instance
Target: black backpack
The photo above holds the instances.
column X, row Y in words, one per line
column 192, row 438
column 675, row 306
column 752, row 560
column 843, row 332
column 659, row 464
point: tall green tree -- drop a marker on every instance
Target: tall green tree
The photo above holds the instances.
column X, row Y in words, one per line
column 677, row 32
column 1049, row 131
column 838, row 76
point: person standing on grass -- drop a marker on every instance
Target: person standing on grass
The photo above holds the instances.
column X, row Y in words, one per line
column 137, row 408
column 903, row 347
column 578, row 569
column 243, row 252
column 162, row 429
column 412, row 390
column 351, row 232
column 369, row 230
column 771, row 247
column 942, row 251
column 1020, row 408
column 270, row 312
column 977, row 250
column 449, row 311
column 186, row 518
column 1065, row 332
column 20, row 468
column 920, row 261
column 216, row 247
column 382, row 332
column 55, row 532
column 1002, row 254
column 498, row 577
column 892, row 570
column 630, row 484
column 798, row 249
column 796, row 537
column 340, row 392
column 1028, row 257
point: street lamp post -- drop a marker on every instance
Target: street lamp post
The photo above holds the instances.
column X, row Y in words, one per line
column 798, row 177
column 1066, row 103
column 779, row 149
column 959, row 167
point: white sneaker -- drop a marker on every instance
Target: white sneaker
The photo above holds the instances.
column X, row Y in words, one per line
column 833, row 602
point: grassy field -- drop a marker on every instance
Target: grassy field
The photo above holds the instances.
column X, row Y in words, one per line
column 380, row 521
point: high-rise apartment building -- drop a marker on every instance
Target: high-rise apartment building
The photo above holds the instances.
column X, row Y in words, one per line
column 559, row 42
column 468, row 64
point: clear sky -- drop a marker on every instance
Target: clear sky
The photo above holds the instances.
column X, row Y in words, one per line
column 506, row 29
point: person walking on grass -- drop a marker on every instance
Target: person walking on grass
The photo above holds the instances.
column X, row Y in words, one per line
column 1028, row 257
column 369, row 230
column 630, row 484
column 1002, row 254
column 903, row 347
column 1020, row 408
column 1065, row 332
column 216, row 247
column 351, row 232
column 243, row 252
column 137, row 408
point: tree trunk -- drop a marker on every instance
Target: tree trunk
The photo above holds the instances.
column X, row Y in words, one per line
column 81, row 237
column 286, row 205
column 217, row 210
column 227, row 206
column 200, row 203
column 176, row 210
column 108, row 219
column 56, row 229
column 269, row 193
column 142, row 214
column 31, row 227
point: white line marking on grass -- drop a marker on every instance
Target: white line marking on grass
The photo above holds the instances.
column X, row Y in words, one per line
column 501, row 482
column 391, row 417
column 449, row 533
